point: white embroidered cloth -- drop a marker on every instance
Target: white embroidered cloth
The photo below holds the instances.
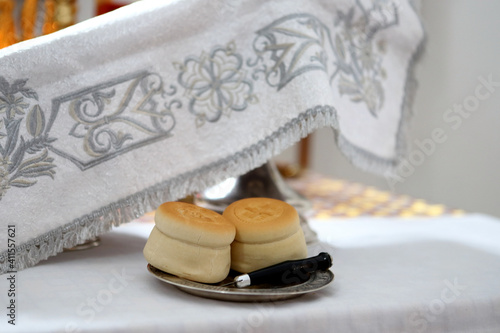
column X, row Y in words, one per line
column 107, row 119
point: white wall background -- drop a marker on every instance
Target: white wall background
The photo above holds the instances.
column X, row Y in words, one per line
column 463, row 172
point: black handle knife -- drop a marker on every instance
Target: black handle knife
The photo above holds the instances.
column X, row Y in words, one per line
column 287, row 272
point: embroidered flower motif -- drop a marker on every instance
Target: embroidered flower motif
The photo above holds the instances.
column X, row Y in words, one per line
column 22, row 160
column 215, row 83
column 12, row 105
column 360, row 64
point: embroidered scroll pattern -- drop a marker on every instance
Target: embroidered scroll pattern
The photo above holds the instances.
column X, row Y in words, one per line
column 289, row 47
column 108, row 120
column 299, row 43
column 115, row 117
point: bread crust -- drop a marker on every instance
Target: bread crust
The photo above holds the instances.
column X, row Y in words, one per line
column 186, row 260
column 194, row 224
column 246, row 257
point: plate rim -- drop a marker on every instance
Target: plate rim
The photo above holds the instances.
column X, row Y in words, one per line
column 243, row 294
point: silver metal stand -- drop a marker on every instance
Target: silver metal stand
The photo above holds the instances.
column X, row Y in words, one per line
column 264, row 181
column 89, row 244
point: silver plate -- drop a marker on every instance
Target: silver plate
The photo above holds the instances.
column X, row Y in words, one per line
column 260, row 293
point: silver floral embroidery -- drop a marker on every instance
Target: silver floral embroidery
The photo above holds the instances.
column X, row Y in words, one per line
column 299, row 43
column 215, row 83
column 359, row 61
column 109, row 119
column 293, row 44
column 23, row 152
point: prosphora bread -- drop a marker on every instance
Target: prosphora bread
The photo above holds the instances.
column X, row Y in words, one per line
column 191, row 242
column 186, row 260
column 194, row 224
column 267, row 232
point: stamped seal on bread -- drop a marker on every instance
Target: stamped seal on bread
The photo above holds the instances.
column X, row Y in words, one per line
column 267, row 232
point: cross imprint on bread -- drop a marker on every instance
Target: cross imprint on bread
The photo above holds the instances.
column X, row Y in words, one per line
column 259, row 213
column 194, row 214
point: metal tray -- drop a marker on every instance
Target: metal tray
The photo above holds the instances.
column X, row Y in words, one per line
column 259, row 293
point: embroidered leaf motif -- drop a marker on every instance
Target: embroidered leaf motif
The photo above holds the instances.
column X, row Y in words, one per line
column 12, row 128
column 28, row 93
column 35, row 167
column 347, row 86
column 18, row 85
column 4, row 85
column 35, row 121
column 339, row 45
column 37, row 144
column 2, row 150
column 361, row 71
column 22, row 183
column 17, row 158
column 15, row 169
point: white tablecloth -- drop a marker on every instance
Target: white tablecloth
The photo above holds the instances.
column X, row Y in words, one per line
column 391, row 275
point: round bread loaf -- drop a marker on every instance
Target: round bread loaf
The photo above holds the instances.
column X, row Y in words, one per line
column 194, row 224
column 267, row 232
column 248, row 257
column 191, row 242
column 186, row 260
